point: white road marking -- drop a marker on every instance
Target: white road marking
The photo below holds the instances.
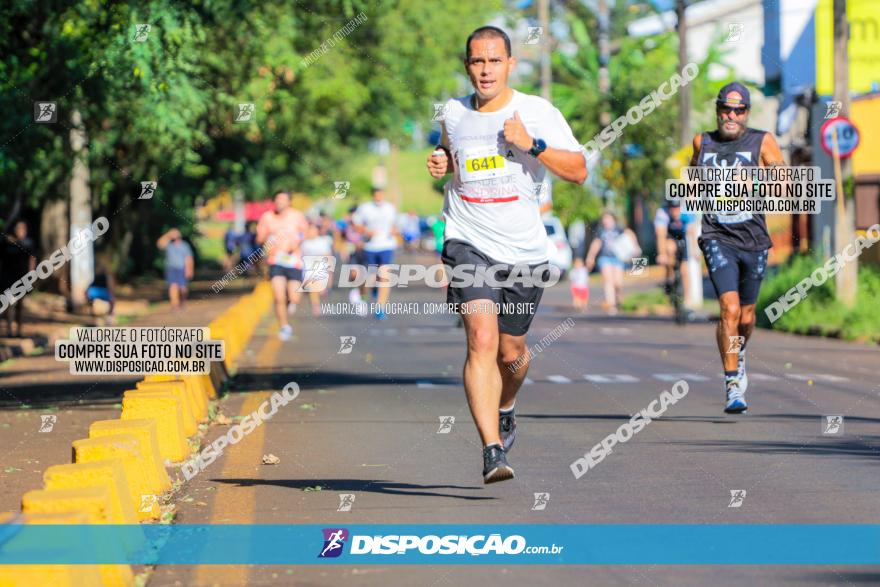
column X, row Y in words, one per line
column 673, row 377
column 418, row 331
column 758, row 377
column 611, row 378
column 614, row 330
column 558, row 379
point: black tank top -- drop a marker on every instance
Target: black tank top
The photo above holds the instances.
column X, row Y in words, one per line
column 744, row 230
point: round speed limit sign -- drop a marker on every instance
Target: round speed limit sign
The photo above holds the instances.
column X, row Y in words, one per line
column 847, row 136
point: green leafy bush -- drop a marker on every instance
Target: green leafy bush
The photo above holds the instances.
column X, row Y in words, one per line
column 820, row 312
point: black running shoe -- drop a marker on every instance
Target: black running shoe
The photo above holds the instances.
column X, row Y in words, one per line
column 495, row 467
column 507, row 428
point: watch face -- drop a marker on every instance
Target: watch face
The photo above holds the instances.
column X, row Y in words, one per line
column 538, row 147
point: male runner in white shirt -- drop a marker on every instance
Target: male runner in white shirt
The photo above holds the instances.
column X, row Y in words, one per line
column 498, row 145
column 376, row 222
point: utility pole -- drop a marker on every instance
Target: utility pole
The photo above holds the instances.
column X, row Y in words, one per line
column 846, row 280
column 546, row 74
column 604, row 58
column 604, row 17
column 684, row 92
column 82, row 264
column 544, row 18
column 693, row 297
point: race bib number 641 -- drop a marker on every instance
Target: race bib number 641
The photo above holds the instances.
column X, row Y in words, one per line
column 479, row 163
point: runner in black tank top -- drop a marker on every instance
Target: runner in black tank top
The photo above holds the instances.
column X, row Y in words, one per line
column 735, row 245
column 744, row 230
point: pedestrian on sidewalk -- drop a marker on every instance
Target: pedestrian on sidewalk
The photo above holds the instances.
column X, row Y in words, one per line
column 101, row 295
column 247, row 246
column 179, row 266
column 17, row 259
column 231, row 245
column 613, row 247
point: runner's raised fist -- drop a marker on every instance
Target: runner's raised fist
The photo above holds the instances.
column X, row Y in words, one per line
column 515, row 133
column 438, row 163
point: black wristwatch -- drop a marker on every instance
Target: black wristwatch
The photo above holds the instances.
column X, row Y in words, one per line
column 538, row 147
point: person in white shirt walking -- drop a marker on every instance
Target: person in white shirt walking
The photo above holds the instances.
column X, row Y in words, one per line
column 376, row 221
column 498, row 144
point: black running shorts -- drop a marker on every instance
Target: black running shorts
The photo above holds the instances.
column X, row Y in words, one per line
column 732, row 269
column 517, row 302
column 289, row 273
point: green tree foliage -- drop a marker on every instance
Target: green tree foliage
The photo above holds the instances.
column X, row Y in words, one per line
column 636, row 68
column 163, row 109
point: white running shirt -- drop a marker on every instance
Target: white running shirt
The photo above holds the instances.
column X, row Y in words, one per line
column 492, row 200
column 380, row 219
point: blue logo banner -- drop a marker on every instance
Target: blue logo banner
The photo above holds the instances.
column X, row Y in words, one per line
column 602, row 544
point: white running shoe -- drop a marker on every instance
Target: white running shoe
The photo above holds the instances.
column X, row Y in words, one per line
column 736, row 398
column 741, row 371
column 354, row 296
column 285, row 332
column 362, row 308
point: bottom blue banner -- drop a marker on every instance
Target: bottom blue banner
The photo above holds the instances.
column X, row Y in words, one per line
column 611, row 544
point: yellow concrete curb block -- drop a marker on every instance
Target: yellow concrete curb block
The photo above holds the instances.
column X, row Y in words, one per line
column 90, row 505
column 208, row 385
column 198, row 394
column 94, row 502
column 157, row 478
column 190, row 421
column 203, row 382
column 61, row 575
column 168, row 415
column 193, row 387
column 223, row 332
column 126, row 449
column 54, row 576
column 109, row 474
column 118, row 472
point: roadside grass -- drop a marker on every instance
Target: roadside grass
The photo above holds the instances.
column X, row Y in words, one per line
column 416, row 186
column 644, row 300
column 209, row 242
column 820, row 313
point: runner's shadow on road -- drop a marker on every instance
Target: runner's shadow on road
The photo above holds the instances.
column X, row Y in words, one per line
column 269, row 379
column 64, row 394
column 847, row 577
column 621, row 417
column 866, row 447
column 702, row 419
column 360, row 485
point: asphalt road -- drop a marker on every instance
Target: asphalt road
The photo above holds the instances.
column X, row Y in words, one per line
column 366, row 423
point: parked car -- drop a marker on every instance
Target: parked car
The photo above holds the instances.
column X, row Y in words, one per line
column 560, row 251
